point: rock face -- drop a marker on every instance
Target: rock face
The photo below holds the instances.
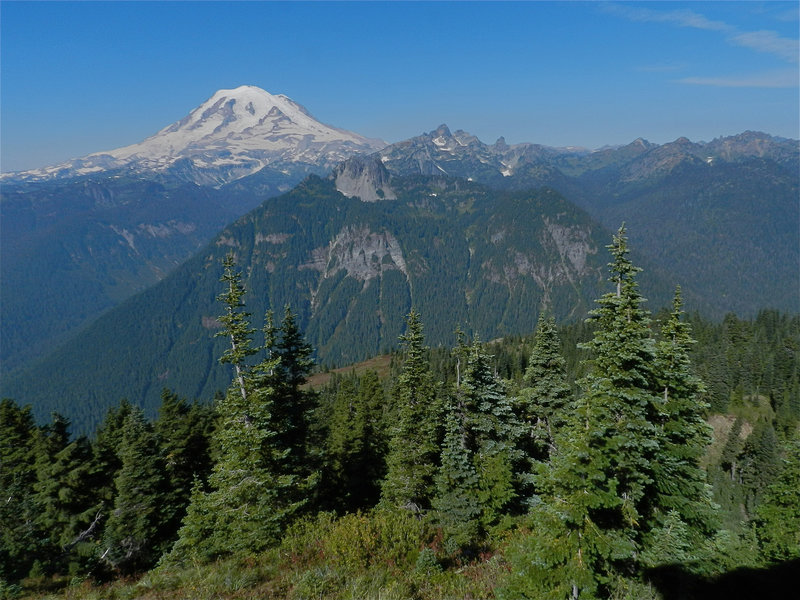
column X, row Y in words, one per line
column 231, row 135
column 365, row 178
column 364, row 254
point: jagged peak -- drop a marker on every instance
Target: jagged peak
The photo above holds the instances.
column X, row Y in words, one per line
column 364, row 177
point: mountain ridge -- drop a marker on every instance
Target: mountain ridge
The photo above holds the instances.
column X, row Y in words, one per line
column 103, row 235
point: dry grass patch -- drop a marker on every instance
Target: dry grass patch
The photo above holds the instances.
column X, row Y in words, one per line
column 379, row 364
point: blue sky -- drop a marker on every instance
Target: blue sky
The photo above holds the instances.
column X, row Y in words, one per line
column 80, row 77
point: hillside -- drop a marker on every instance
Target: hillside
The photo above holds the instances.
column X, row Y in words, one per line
column 464, row 255
column 733, row 199
column 343, row 546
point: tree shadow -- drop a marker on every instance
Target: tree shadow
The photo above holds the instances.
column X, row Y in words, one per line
column 677, row 582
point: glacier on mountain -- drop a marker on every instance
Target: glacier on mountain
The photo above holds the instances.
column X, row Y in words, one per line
column 231, row 135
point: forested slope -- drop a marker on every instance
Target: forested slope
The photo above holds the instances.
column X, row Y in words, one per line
column 487, row 261
column 590, row 461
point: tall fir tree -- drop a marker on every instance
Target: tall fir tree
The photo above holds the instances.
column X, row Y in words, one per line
column 236, row 326
column 544, row 402
column 760, row 464
column 355, row 447
column 134, row 538
column 596, row 493
column 495, row 431
column 50, row 439
column 257, row 484
column 246, row 506
column 476, row 483
column 105, row 450
column 184, row 436
column 293, row 405
column 19, row 539
column 373, row 396
column 413, row 449
column 681, row 484
column 68, row 509
column 456, row 502
column 777, row 520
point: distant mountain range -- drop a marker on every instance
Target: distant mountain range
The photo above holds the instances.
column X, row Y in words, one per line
column 479, row 235
column 519, row 166
column 723, row 217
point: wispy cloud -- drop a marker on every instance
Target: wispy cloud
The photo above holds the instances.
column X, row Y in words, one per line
column 769, row 42
column 793, row 14
column 786, row 78
column 682, row 18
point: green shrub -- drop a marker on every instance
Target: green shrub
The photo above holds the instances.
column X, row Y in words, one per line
column 357, row 542
column 315, row 583
column 9, row 590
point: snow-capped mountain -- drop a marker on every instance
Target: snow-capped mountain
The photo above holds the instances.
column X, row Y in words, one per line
column 232, row 134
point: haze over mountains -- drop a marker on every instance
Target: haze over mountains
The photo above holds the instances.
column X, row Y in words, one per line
column 487, row 234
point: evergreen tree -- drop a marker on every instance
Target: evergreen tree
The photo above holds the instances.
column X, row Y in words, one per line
column 683, row 434
column 292, row 405
column 597, row 491
column 457, row 488
column 355, row 447
column 412, row 458
column 729, row 460
column 617, row 407
column 105, row 450
column 725, row 478
column 344, row 449
column 68, row 505
column 495, row 431
column 68, row 509
column 760, row 464
column 50, row 439
column 259, row 481
column 476, row 484
column 777, row 521
column 544, row 402
column 236, row 326
column 372, row 396
column 250, row 499
column 18, row 537
column 134, row 538
column 184, row 432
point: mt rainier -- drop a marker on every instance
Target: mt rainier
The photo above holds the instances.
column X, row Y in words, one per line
column 79, row 237
column 233, row 134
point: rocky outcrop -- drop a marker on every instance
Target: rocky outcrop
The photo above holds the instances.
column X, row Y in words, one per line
column 574, row 245
column 365, row 178
column 363, row 253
